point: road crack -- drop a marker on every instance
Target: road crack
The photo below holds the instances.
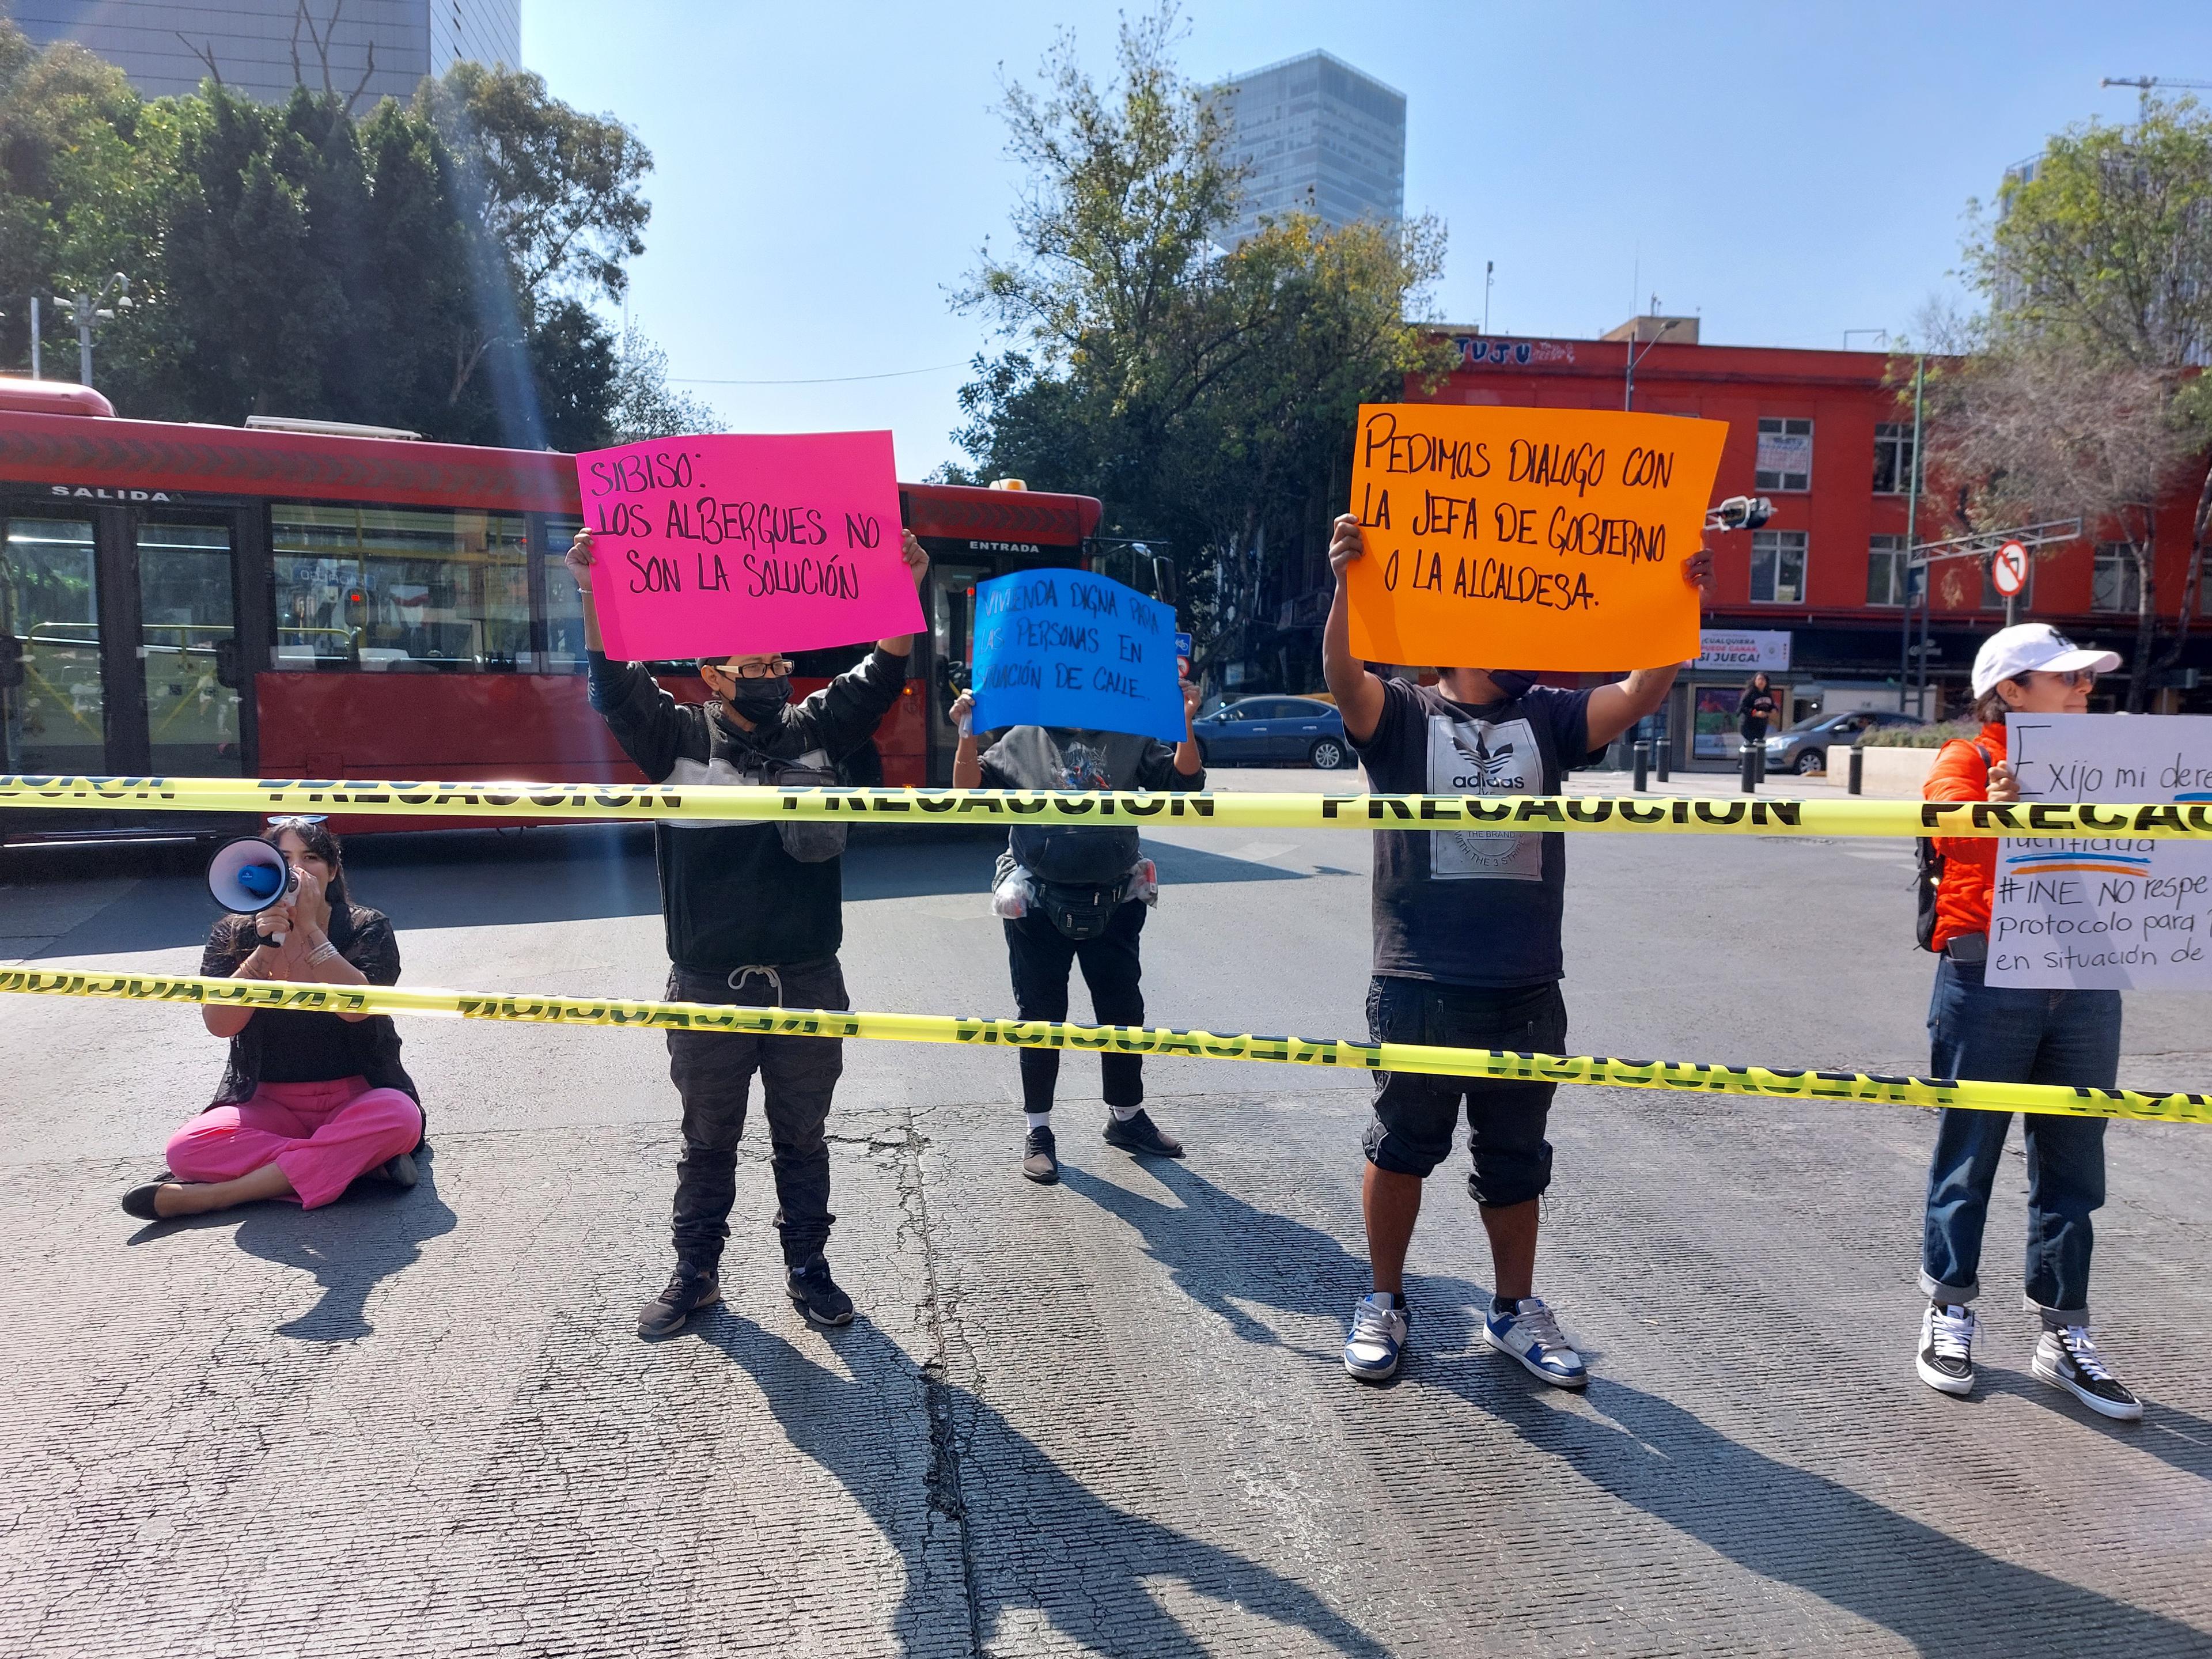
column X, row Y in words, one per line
column 943, row 1477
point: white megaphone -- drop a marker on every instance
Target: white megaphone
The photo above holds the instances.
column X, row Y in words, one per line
column 247, row 875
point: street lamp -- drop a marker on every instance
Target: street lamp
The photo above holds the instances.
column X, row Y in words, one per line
column 88, row 308
column 1628, row 400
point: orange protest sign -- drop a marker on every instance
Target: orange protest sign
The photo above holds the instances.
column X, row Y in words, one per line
column 1528, row 538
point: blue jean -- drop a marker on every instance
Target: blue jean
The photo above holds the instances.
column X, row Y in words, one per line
column 2004, row 1034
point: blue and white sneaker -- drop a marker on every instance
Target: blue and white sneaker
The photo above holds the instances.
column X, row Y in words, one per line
column 1530, row 1334
column 1378, row 1336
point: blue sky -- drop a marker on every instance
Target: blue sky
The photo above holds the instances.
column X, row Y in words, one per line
column 825, row 175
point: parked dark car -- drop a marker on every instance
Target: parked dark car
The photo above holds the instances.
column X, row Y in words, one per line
column 1804, row 747
column 1273, row 731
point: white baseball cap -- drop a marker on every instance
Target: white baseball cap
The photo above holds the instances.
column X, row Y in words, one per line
column 2032, row 648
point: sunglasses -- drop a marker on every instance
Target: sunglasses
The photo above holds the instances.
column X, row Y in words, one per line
column 299, row 821
column 2075, row 679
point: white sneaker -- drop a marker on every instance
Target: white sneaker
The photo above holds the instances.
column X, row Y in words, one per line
column 1378, row 1334
column 1532, row 1335
column 2068, row 1359
column 1946, row 1360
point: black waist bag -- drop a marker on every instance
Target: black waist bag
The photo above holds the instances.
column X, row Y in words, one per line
column 1081, row 912
column 1080, row 874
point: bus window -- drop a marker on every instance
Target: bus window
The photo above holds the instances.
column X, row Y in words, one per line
column 399, row 588
column 564, row 601
column 56, row 718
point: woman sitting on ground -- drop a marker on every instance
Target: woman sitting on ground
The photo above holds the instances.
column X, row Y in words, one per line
column 310, row 1102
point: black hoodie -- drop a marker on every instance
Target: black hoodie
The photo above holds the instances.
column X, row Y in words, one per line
column 730, row 895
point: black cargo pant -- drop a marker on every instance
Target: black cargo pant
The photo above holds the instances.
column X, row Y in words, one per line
column 1041, row 957
column 714, row 1070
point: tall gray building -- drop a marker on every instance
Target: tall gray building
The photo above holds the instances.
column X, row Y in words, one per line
column 1320, row 137
column 165, row 45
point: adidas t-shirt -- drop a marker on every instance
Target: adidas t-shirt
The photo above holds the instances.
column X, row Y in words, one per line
column 1472, row 907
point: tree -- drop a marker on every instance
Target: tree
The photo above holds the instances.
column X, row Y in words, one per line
column 290, row 260
column 1206, row 395
column 2098, row 274
column 644, row 406
column 2041, row 427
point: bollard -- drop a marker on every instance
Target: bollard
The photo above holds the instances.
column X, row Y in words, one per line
column 1642, row 768
column 1665, row 755
column 1858, row 769
column 1750, row 770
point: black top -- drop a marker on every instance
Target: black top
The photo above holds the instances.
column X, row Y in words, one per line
column 1472, row 907
column 731, row 896
column 1057, row 758
column 1752, row 709
column 285, row 1045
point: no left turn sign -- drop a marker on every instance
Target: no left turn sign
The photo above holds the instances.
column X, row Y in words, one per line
column 2008, row 568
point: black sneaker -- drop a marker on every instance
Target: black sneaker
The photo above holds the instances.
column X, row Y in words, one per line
column 2068, row 1359
column 1947, row 1348
column 1041, row 1156
column 1140, row 1134
column 816, row 1294
column 689, row 1289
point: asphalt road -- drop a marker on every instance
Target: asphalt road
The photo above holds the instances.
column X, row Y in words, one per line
column 1107, row 1417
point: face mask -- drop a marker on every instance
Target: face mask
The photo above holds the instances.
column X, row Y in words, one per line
column 760, row 700
column 1510, row 684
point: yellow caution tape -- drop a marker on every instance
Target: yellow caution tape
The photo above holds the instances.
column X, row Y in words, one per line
column 2187, row 821
column 1688, row 1076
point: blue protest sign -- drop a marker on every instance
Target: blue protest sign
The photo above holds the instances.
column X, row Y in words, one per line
column 1065, row 647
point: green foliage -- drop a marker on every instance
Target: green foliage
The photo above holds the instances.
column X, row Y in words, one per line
column 429, row 267
column 1205, row 396
column 645, row 405
column 1920, row 737
column 2081, row 392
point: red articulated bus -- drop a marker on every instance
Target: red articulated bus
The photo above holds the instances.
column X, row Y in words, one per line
column 300, row 599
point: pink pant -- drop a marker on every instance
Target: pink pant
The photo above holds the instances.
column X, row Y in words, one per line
column 322, row 1135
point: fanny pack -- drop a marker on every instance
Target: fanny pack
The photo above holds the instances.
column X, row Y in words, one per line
column 1079, row 912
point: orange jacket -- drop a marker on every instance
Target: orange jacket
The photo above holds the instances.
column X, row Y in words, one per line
column 1970, row 863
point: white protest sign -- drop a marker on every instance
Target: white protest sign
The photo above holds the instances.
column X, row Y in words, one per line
column 2120, row 912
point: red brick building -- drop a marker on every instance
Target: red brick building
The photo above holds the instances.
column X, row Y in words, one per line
column 1823, row 434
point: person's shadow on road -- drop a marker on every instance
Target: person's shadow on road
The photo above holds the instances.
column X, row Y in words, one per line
column 1938, row 1592
column 1226, row 1255
column 350, row 1246
column 1037, row 1529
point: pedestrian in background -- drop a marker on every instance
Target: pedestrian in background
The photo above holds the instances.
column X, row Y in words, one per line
column 1070, row 895
column 754, row 916
column 309, row 1102
column 1468, row 955
column 2009, row 1034
column 1753, row 710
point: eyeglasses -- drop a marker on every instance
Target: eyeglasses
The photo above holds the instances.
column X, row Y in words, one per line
column 774, row 668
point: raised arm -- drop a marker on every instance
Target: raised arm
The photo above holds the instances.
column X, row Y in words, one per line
column 1613, row 708
column 1358, row 693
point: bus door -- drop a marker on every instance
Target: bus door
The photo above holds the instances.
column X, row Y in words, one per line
column 191, row 669
column 952, row 640
column 122, row 652
column 54, row 690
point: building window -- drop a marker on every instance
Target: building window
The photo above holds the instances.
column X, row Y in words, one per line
column 1778, row 567
column 1893, row 458
column 2115, row 583
column 399, row 588
column 1785, row 454
column 1886, row 571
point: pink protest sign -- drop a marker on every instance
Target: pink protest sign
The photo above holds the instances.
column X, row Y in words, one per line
column 730, row 545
